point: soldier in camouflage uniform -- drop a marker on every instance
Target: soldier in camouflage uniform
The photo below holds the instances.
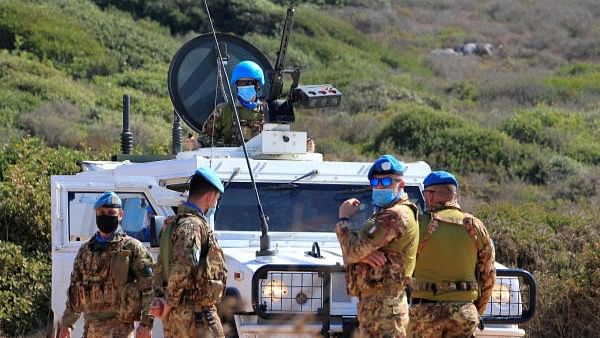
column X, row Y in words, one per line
column 380, row 257
column 111, row 282
column 455, row 272
column 221, row 129
column 190, row 274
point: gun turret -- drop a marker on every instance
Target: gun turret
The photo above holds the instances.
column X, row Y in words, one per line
column 310, row 96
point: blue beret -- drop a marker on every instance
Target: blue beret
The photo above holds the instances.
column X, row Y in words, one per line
column 440, row 177
column 385, row 165
column 108, row 199
column 211, row 176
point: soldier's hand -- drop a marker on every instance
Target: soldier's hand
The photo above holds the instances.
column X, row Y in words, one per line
column 349, row 207
column 165, row 313
column 376, row 259
column 65, row 332
column 157, row 307
column 143, row 332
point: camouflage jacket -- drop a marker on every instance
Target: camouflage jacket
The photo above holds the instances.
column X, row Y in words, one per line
column 485, row 270
column 105, row 278
column 220, row 129
column 190, row 237
column 393, row 230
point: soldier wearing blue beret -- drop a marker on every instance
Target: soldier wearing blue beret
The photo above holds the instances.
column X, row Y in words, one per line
column 380, row 257
column 449, row 295
column 111, row 282
column 186, row 298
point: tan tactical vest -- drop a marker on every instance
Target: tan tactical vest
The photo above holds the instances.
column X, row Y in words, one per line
column 210, row 276
column 222, row 126
column 105, row 289
column 446, row 261
column 400, row 252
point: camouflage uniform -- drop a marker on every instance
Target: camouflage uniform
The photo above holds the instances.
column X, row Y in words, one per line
column 193, row 312
column 382, row 309
column 436, row 314
column 226, row 132
column 111, row 286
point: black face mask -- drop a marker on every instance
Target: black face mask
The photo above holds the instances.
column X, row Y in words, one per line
column 107, row 223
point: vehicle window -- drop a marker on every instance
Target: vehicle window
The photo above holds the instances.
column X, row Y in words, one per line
column 137, row 213
column 298, row 207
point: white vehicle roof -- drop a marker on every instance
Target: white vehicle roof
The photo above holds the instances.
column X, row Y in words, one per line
column 177, row 171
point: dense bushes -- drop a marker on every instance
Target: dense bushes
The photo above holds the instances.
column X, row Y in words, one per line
column 182, row 16
column 24, row 290
column 25, row 169
column 558, row 242
column 54, row 38
column 568, row 133
column 449, row 142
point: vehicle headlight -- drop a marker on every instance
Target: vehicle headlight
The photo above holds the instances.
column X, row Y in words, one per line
column 506, row 298
column 275, row 290
column 290, row 292
column 500, row 294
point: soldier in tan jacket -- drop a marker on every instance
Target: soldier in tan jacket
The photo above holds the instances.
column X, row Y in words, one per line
column 111, row 282
column 380, row 257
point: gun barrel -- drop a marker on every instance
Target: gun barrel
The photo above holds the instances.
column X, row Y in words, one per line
column 277, row 75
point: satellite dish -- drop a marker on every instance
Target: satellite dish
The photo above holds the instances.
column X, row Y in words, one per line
column 192, row 77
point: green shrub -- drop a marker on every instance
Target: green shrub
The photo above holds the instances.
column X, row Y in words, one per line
column 57, row 123
column 568, row 133
column 53, row 37
column 557, row 241
column 580, row 80
column 524, row 89
column 24, row 191
column 182, row 16
column 131, row 43
column 24, row 290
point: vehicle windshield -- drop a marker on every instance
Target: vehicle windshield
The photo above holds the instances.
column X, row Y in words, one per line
column 294, row 207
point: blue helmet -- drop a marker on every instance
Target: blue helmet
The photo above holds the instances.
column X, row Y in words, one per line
column 247, row 69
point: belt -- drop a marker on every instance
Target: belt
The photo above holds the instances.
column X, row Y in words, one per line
column 445, row 286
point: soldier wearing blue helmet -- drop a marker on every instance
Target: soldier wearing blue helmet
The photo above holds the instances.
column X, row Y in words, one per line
column 449, row 295
column 247, row 79
column 191, row 274
column 111, row 282
column 380, row 257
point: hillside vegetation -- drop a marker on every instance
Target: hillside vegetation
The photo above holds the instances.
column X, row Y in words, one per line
column 520, row 127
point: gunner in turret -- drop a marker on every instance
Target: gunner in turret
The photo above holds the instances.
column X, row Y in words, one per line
column 220, row 129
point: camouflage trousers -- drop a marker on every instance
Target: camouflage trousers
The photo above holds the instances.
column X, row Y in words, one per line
column 445, row 320
column 382, row 315
column 109, row 328
column 184, row 322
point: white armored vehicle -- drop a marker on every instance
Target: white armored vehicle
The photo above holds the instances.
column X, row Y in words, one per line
column 285, row 269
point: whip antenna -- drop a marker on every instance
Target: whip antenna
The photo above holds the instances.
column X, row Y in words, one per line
column 265, row 242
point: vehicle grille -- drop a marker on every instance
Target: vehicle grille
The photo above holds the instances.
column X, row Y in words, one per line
column 291, row 292
column 513, row 298
column 297, row 289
